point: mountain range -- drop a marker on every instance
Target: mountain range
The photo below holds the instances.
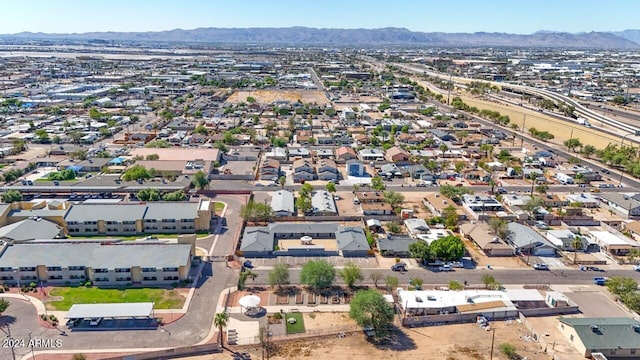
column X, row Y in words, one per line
column 628, row 39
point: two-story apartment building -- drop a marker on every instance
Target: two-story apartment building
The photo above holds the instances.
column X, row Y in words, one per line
column 104, row 264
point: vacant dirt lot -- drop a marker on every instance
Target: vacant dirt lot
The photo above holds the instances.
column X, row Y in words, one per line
column 269, row 96
column 561, row 129
column 452, row 342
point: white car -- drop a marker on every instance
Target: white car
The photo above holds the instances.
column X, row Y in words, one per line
column 446, row 268
column 636, row 268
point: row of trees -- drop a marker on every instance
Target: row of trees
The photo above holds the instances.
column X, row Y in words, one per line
column 256, row 212
column 154, row 195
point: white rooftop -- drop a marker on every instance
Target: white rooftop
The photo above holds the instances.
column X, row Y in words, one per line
column 84, row 311
column 436, row 299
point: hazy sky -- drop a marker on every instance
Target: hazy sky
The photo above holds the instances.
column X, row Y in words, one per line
column 515, row 16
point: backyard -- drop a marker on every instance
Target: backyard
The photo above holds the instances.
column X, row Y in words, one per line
column 162, row 298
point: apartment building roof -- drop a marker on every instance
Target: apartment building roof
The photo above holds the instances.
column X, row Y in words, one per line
column 107, row 212
column 95, row 255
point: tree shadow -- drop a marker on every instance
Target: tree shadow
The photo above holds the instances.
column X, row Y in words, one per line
column 395, row 340
column 7, row 320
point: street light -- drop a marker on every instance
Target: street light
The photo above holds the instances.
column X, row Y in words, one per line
column 33, row 356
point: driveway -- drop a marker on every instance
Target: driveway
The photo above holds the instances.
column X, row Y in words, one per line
column 596, row 304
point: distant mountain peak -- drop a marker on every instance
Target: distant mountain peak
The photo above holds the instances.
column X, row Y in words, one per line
column 300, row 35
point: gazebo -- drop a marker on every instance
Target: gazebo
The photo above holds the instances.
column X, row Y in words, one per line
column 251, row 304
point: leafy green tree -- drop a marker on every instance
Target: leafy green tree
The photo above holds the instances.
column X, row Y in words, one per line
column 158, row 144
column 201, row 129
column 136, row 172
column 279, row 142
column 256, row 212
column 317, row 274
column 588, row 150
column 42, row 134
column 450, row 216
column 453, row 192
column 393, row 198
column 303, row 203
column 455, row 285
column 148, row 195
column 391, row 282
column 221, row 320
column 499, row 227
column 200, row 180
column 416, row 282
column 448, row 248
column 632, row 300
column 80, row 154
column 177, row 195
column 421, row 250
column 11, row 196
column 572, row 144
column 330, row 187
column 621, row 285
column 351, row 274
column 488, row 280
column 377, row 184
column 393, row 227
column 542, row 188
column 4, row 305
column 306, row 189
column 369, row 309
column 279, row 276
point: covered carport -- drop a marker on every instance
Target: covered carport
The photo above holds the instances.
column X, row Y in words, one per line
column 103, row 317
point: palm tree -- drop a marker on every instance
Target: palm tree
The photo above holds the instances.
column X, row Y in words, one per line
column 577, row 244
column 221, row 320
column 282, row 181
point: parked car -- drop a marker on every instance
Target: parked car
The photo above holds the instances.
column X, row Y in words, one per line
column 540, row 266
column 435, row 263
column 446, row 268
column 95, row 321
column 456, row 264
column 594, row 268
column 247, row 264
column 402, row 267
column 501, row 190
column 636, row 267
column 421, row 185
column 600, row 281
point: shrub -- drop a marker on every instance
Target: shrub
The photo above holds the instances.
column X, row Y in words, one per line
column 43, row 317
column 509, row 350
column 88, row 284
column 277, row 316
column 32, row 284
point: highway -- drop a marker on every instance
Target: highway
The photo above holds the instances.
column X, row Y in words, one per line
column 580, row 110
column 472, row 276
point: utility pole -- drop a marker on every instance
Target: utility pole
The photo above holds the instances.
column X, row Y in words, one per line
column 493, row 338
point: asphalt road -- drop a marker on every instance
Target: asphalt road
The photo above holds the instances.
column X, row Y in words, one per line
column 474, row 276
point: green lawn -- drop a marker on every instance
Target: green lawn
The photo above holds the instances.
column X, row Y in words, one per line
column 298, row 327
column 219, row 207
column 162, row 298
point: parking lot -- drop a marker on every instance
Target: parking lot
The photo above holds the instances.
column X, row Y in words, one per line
column 299, row 261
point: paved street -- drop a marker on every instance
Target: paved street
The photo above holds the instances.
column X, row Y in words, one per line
column 511, row 276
